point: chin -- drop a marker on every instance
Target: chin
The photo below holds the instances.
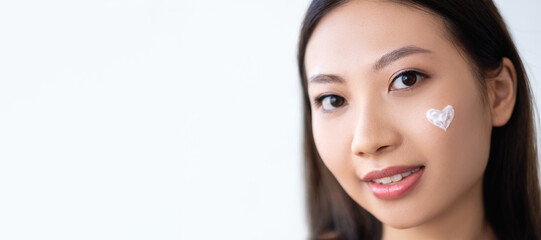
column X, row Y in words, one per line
column 400, row 224
column 400, row 221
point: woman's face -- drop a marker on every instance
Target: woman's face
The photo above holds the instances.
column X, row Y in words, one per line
column 374, row 69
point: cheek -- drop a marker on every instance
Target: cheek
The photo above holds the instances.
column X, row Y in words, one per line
column 331, row 137
column 465, row 148
column 455, row 158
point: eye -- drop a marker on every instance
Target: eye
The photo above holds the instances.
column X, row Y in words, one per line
column 331, row 102
column 406, row 79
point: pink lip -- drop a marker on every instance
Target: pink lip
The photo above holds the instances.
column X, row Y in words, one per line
column 395, row 190
column 387, row 172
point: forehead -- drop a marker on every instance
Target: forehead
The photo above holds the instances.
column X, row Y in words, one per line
column 359, row 32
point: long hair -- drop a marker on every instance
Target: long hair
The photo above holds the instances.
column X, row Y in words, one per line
column 511, row 193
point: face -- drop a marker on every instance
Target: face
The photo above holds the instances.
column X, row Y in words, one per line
column 374, row 69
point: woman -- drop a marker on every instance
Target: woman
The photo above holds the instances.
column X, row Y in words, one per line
column 418, row 123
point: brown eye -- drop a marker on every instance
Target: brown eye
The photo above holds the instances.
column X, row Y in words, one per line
column 409, row 78
column 405, row 80
column 331, row 102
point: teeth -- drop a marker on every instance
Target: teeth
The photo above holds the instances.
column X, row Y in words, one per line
column 386, row 180
column 395, row 178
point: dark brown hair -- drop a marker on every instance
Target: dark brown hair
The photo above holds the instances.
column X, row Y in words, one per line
column 511, row 192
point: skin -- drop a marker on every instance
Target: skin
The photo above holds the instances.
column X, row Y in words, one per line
column 382, row 122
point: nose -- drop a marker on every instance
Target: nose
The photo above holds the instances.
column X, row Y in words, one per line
column 374, row 133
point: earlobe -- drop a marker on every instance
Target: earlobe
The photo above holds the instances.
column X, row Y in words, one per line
column 502, row 93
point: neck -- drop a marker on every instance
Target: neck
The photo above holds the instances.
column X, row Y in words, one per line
column 465, row 219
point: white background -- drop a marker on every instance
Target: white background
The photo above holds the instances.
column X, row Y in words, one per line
column 161, row 119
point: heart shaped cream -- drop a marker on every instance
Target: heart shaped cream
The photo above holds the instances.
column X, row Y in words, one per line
column 441, row 118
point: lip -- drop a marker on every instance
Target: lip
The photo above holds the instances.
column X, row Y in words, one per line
column 388, row 172
column 396, row 190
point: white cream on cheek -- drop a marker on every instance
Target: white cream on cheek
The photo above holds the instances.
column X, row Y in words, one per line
column 441, row 118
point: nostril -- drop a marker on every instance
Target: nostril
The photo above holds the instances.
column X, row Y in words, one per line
column 378, row 151
column 382, row 148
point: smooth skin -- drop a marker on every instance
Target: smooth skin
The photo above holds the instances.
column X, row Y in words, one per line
column 374, row 68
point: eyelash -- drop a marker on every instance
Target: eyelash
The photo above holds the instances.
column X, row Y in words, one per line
column 419, row 77
column 319, row 101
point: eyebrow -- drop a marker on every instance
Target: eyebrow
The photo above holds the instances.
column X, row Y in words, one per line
column 326, row 78
column 385, row 60
column 397, row 54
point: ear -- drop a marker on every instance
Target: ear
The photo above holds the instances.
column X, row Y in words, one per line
column 502, row 93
